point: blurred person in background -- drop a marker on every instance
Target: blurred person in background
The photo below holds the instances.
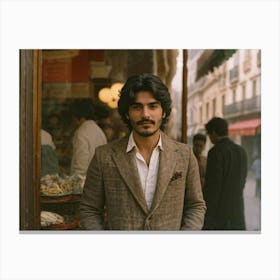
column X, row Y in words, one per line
column 256, row 169
column 49, row 160
column 199, row 141
column 87, row 137
column 225, row 179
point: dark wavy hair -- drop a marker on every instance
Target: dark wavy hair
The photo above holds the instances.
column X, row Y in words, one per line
column 144, row 82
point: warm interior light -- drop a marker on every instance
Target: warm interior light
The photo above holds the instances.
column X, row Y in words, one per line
column 104, row 95
column 116, row 87
column 113, row 104
column 110, row 96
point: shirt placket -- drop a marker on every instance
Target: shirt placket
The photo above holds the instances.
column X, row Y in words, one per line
column 150, row 180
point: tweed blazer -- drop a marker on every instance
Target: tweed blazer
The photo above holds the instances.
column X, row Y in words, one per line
column 113, row 182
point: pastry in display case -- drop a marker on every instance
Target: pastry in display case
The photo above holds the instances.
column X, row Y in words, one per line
column 60, row 198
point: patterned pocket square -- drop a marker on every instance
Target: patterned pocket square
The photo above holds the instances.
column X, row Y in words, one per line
column 176, row 176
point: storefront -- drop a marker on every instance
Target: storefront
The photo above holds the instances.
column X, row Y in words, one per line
column 51, row 82
column 249, row 133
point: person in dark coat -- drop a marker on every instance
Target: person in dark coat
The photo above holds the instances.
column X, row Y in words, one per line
column 224, row 180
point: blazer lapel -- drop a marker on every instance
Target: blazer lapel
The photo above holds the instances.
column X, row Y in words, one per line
column 128, row 170
column 167, row 163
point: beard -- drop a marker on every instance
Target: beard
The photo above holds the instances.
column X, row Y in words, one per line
column 146, row 131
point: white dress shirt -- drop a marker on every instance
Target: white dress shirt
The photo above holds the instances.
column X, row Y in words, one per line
column 147, row 173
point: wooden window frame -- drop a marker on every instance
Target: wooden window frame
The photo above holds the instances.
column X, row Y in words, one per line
column 30, row 138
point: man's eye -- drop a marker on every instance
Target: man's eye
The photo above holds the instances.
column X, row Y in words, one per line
column 154, row 106
column 135, row 106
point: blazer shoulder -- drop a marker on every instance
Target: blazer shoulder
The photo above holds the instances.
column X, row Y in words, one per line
column 182, row 146
column 176, row 145
column 115, row 145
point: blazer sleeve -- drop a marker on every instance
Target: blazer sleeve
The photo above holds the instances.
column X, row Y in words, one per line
column 93, row 198
column 194, row 207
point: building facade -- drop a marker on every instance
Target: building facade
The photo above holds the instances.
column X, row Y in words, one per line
column 231, row 90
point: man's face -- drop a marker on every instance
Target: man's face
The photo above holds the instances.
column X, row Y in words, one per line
column 145, row 114
column 213, row 137
column 198, row 147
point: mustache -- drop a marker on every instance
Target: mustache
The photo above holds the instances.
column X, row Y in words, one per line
column 145, row 121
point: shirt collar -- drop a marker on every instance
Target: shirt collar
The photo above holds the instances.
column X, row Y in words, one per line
column 131, row 143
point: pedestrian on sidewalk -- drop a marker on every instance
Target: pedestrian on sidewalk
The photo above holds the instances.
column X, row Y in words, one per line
column 199, row 141
column 225, row 178
column 256, row 169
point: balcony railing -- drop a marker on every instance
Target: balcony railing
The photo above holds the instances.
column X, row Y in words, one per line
column 243, row 107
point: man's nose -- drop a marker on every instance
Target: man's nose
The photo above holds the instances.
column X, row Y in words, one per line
column 146, row 112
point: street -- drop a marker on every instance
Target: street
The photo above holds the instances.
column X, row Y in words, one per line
column 252, row 205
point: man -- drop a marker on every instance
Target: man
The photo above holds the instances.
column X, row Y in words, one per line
column 146, row 181
column 49, row 159
column 199, row 141
column 224, row 181
column 87, row 137
column 256, row 169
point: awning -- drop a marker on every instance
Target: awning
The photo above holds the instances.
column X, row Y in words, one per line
column 245, row 128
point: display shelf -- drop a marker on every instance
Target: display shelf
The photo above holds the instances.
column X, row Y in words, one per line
column 60, row 199
column 70, row 223
column 66, row 206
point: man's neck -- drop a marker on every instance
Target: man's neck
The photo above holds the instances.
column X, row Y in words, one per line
column 220, row 138
column 147, row 144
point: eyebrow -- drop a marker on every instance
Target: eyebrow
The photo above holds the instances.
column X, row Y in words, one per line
column 150, row 103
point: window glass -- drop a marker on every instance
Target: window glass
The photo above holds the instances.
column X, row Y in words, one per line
column 70, row 77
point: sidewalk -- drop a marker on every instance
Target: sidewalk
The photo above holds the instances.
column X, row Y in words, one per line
column 252, row 205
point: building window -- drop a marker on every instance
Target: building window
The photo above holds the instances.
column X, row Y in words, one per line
column 191, row 116
column 247, row 61
column 214, row 107
column 233, row 95
column 254, row 88
column 207, row 110
column 223, row 102
column 233, row 74
column 259, row 58
column 244, row 92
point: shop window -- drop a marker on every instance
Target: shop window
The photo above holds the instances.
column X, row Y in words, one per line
column 60, row 80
